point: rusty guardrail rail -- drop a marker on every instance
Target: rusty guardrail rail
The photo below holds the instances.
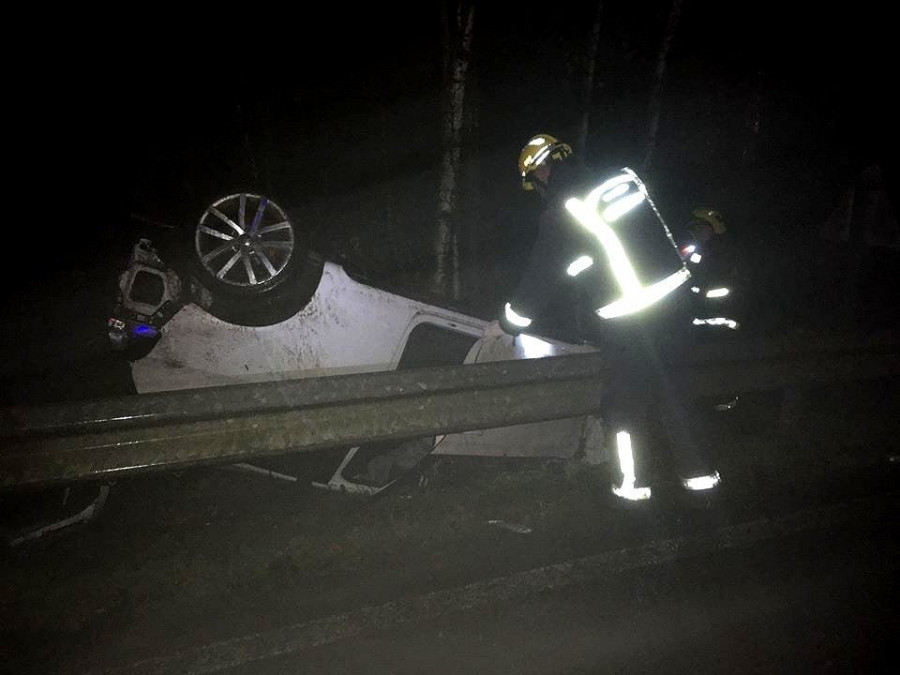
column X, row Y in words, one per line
column 219, row 425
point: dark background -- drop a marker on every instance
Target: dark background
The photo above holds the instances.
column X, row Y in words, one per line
column 120, row 121
column 122, row 115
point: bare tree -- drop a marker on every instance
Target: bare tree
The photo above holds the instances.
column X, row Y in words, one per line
column 457, row 33
column 656, row 92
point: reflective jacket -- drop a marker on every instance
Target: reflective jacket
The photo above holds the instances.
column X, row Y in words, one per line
column 607, row 236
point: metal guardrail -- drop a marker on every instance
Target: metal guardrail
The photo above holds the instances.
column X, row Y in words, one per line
column 219, row 425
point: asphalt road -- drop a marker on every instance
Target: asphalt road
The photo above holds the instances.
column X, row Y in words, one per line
column 802, row 602
column 486, row 567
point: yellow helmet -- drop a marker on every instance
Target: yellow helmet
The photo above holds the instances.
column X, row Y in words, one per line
column 536, row 152
column 711, row 216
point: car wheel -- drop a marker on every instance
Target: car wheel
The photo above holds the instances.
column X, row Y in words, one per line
column 250, row 264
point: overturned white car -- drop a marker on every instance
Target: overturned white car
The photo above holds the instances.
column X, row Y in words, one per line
column 248, row 303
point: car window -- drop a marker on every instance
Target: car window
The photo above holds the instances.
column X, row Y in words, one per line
column 429, row 344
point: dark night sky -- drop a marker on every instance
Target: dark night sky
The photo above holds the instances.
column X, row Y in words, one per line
column 312, row 90
column 138, row 94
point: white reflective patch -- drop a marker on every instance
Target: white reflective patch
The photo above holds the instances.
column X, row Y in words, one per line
column 622, row 206
column 644, row 297
column 695, row 258
column 727, row 405
column 702, row 482
column 541, row 156
column 626, row 456
column 633, row 494
column 717, row 321
column 690, row 248
column 534, row 348
column 627, row 490
column 717, row 293
column 516, row 319
column 695, row 289
column 579, row 265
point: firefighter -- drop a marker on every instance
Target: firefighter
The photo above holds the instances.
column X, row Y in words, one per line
column 713, row 271
column 714, row 276
column 701, row 238
column 603, row 233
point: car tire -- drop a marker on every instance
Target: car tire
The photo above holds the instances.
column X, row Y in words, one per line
column 249, row 263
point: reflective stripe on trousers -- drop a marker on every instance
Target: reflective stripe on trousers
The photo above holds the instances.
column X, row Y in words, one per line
column 646, row 395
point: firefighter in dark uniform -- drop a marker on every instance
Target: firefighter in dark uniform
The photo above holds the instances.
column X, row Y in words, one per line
column 714, row 279
column 604, row 234
column 714, row 273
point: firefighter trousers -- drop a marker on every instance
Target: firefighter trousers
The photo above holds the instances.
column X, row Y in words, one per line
column 649, row 406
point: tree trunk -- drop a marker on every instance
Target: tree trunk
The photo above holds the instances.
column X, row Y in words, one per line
column 398, row 249
column 457, row 41
column 753, row 122
column 588, row 84
column 656, row 92
column 470, row 230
